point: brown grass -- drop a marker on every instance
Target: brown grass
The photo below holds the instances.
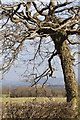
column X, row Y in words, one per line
column 34, row 110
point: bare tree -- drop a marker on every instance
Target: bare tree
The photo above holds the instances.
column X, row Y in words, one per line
column 30, row 20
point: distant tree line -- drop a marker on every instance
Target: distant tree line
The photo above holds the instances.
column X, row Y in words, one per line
column 34, row 91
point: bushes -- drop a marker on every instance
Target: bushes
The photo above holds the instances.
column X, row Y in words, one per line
column 34, row 110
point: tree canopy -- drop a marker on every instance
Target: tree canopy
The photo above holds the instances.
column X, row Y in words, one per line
column 37, row 21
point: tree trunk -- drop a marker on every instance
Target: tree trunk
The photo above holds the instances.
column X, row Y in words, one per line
column 69, row 76
column 71, row 84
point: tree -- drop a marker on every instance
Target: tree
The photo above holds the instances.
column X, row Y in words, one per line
column 56, row 20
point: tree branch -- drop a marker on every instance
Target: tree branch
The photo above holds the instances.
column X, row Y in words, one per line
column 49, row 61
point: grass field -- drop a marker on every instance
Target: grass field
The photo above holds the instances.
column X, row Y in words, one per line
column 32, row 99
column 32, row 107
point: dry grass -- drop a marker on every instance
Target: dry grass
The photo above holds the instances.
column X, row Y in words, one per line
column 36, row 108
column 32, row 99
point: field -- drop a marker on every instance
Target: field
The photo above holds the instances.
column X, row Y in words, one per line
column 33, row 99
column 32, row 108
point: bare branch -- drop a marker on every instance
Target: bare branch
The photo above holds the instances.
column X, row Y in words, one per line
column 73, row 43
column 40, row 11
column 49, row 61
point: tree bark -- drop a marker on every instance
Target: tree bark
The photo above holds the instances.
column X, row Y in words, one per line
column 71, row 84
column 69, row 75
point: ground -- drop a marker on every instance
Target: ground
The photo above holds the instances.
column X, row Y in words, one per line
column 36, row 108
